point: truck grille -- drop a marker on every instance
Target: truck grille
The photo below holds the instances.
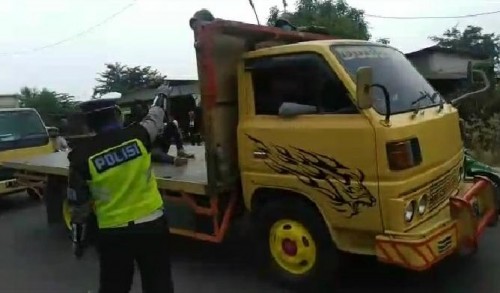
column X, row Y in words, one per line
column 444, row 244
column 440, row 189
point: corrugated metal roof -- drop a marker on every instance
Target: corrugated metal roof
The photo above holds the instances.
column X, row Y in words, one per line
column 180, row 88
column 437, row 48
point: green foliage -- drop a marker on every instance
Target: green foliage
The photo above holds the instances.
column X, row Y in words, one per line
column 337, row 17
column 49, row 104
column 123, row 79
column 483, row 138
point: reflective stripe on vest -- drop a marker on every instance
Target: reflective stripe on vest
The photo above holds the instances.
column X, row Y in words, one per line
column 123, row 185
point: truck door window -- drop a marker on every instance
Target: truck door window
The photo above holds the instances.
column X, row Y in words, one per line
column 334, row 97
column 303, row 79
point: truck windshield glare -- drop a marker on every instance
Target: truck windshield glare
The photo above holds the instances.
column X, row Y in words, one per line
column 407, row 88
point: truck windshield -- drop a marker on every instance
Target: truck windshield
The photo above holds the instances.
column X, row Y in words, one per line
column 408, row 89
column 21, row 129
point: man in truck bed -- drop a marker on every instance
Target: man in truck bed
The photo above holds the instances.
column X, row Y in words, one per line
column 113, row 170
column 161, row 146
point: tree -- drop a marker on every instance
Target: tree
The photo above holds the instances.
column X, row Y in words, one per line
column 49, row 104
column 471, row 39
column 337, row 17
column 123, row 79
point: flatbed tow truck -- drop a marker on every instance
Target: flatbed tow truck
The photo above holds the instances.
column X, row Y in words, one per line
column 327, row 145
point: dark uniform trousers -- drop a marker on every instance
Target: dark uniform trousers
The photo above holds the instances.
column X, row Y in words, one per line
column 148, row 245
column 194, row 136
column 170, row 133
column 161, row 146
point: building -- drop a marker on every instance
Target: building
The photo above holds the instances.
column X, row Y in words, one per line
column 184, row 94
column 444, row 68
column 9, row 101
column 180, row 88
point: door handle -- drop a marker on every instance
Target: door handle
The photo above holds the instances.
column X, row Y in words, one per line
column 260, row 154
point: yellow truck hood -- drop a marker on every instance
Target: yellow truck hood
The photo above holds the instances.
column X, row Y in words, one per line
column 15, row 154
column 438, row 136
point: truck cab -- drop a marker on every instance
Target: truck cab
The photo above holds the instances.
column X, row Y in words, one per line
column 336, row 145
column 353, row 164
column 22, row 134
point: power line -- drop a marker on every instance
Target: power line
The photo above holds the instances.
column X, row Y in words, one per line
column 75, row 36
column 432, row 17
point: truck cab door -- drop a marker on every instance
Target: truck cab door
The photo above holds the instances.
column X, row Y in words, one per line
column 299, row 131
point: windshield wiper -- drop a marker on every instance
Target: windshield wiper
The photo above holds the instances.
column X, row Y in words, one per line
column 425, row 95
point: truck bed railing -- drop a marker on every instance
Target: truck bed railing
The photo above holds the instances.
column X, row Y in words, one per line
column 220, row 217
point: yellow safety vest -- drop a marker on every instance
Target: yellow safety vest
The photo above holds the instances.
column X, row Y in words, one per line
column 123, row 184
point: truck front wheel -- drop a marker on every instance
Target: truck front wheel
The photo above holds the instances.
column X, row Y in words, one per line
column 295, row 245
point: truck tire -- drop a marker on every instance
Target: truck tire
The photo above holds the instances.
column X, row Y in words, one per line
column 295, row 246
column 54, row 195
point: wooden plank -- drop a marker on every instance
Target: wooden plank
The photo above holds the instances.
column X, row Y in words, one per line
column 190, row 178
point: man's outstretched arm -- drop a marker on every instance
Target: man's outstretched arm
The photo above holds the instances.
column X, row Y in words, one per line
column 153, row 122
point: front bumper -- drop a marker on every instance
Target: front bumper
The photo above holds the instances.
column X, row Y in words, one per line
column 471, row 212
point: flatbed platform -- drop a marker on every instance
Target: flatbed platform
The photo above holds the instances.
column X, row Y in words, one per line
column 191, row 178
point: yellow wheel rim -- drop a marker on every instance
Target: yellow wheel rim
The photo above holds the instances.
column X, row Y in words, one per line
column 292, row 246
column 66, row 214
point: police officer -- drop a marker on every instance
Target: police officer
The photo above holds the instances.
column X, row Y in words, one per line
column 112, row 172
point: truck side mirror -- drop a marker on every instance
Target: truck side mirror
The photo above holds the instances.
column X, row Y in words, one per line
column 487, row 86
column 364, row 80
column 53, row 132
column 470, row 73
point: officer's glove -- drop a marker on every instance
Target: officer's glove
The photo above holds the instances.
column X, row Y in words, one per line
column 79, row 238
column 160, row 101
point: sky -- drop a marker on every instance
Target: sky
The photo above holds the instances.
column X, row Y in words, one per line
column 156, row 33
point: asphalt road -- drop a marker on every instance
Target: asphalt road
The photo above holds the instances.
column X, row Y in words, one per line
column 35, row 258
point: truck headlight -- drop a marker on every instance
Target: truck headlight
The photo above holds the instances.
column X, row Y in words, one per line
column 410, row 211
column 422, row 204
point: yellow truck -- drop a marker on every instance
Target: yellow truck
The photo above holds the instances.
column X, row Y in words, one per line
column 326, row 145
column 22, row 134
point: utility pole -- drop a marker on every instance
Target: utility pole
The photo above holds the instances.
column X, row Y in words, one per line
column 254, row 11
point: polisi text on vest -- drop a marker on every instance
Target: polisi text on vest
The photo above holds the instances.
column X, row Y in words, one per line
column 116, row 156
